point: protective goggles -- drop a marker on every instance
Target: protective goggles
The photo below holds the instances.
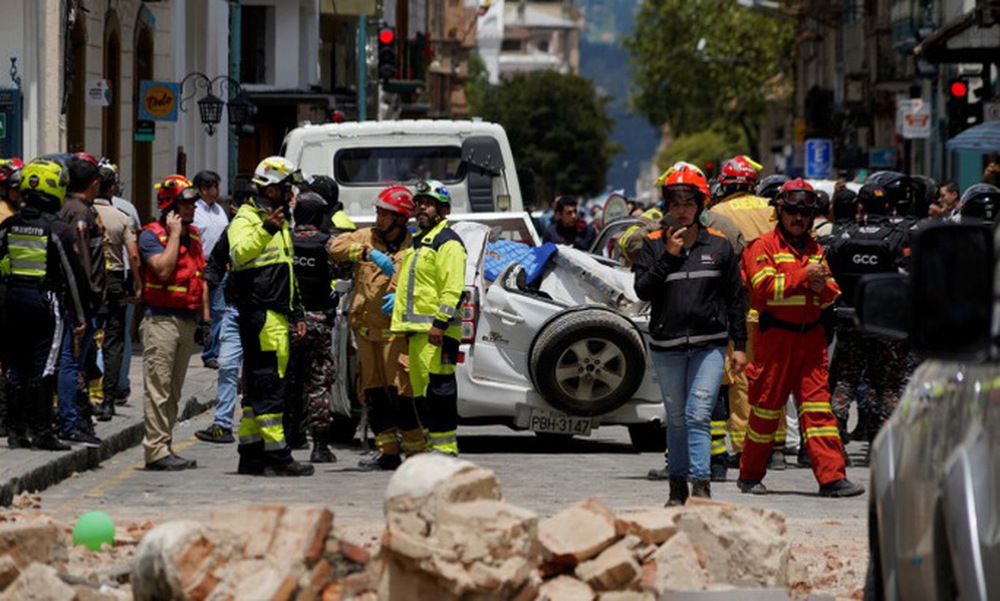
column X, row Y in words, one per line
column 800, row 198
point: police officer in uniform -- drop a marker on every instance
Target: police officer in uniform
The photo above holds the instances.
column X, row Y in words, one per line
column 874, row 244
column 310, row 366
column 260, row 246
column 41, row 272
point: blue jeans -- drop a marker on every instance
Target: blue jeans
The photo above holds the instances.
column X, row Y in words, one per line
column 70, row 365
column 689, row 381
column 124, row 384
column 217, row 305
column 230, row 359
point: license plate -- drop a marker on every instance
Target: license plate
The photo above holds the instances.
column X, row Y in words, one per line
column 543, row 420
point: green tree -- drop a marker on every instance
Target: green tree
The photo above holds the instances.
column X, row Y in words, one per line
column 699, row 148
column 558, row 128
column 708, row 64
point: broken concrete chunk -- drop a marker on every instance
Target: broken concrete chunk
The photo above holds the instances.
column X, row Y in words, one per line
column 674, row 567
column 26, row 542
column 38, row 582
column 654, row 525
column 614, row 569
column 564, row 588
column 576, row 534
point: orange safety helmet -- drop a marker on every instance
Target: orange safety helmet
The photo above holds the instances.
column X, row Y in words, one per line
column 683, row 174
column 169, row 189
column 396, row 198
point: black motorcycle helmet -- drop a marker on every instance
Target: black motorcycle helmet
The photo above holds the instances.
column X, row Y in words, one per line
column 771, row 185
column 874, row 199
column 981, row 201
column 899, row 188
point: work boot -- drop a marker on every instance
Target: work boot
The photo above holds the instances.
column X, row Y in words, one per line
column 384, row 463
column 49, row 442
column 719, row 468
column 678, row 492
column 753, row 487
column 291, row 469
column 777, row 462
column 18, row 441
column 169, row 463
column 658, row 474
column 250, row 467
column 734, row 460
column 702, row 489
column 841, row 488
column 321, row 452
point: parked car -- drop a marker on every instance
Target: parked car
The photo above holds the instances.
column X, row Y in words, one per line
column 561, row 355
column 934, row 518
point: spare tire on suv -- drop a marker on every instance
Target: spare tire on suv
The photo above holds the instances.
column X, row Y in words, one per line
column 588, row 361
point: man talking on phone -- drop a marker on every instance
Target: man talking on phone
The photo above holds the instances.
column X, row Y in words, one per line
column 260, row 252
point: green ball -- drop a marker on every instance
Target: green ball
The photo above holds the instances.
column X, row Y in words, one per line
column 93, row 529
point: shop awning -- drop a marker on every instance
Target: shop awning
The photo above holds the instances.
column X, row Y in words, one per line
column 984, row 137
column 961, row 40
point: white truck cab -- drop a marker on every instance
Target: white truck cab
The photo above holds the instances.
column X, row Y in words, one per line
column 472, row 158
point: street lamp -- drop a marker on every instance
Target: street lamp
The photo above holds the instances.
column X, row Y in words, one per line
column 241, row 110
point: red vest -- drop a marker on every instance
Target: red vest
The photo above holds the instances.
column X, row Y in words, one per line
column 185, row 286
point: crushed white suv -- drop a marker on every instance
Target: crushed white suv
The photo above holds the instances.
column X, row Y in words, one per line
column 559, row 356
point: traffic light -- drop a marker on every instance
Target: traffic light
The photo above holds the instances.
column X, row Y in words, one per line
column 386, row 52
column 965, row 106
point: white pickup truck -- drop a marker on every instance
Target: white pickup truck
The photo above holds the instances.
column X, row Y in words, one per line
column 472, row 158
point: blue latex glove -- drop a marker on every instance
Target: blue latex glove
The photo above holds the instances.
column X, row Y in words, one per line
column 383, row 261
column 390, row 302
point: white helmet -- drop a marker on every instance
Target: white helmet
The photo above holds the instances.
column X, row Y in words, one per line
column 274, row 171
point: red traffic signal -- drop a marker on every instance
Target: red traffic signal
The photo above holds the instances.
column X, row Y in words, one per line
column 958, row 88
column 386, row 35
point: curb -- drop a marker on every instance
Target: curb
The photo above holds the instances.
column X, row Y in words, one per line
column 46, row 471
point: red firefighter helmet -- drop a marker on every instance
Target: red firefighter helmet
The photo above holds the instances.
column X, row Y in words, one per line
column 797, row 193
column 9, row 168
column 397, row 199
column 169, row 189
column 738, row 170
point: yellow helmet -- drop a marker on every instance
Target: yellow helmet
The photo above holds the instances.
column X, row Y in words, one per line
column 45, row 178
column 276, row 171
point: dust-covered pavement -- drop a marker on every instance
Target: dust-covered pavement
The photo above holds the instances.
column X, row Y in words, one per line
column 829, row 533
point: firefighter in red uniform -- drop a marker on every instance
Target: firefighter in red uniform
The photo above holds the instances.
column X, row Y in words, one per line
column 790, row 285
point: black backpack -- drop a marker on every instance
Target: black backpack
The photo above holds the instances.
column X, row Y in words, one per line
column 863, row 248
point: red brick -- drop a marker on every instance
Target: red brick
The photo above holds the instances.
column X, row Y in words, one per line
column 255, row 525
column 354, row 553
column 302, row 533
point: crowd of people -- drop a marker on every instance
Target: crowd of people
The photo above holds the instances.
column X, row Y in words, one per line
column 748, row 278
column 258, row 281
column 751, row 286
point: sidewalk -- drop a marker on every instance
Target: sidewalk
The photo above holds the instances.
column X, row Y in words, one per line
column 32, row 470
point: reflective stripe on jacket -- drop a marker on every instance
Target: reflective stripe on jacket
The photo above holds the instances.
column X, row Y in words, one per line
column 776, row 274
column 261, row 263
column 370, row 284
column 185, row 286
column 696, row 297
column 431, row 282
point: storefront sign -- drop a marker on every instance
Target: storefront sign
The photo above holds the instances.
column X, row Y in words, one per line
column 158, row 100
